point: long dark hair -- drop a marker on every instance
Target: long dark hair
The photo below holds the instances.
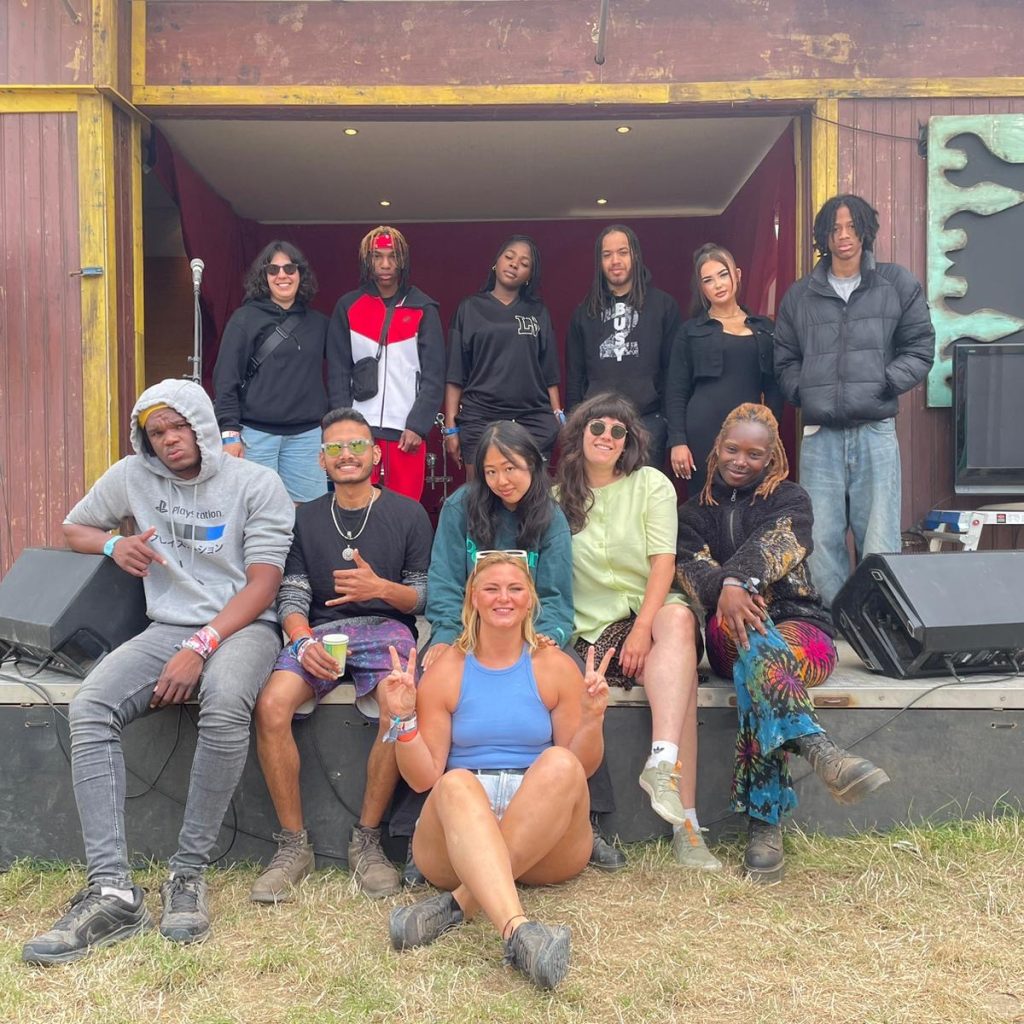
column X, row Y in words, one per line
column 600, row 298
column 534, row 511
column 255, row 282
column 574, row 492
column 707, row 252
column 529, row 291
column 862, row 213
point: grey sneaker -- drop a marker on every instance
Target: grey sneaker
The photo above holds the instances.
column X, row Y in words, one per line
column 540, row 952
column 92, row 921
column 292, row 862
column 661, row 784
column 690, row 850
column 370, row 867
column 423, row 922
column 186, row 915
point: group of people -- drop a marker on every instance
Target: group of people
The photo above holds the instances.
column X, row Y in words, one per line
column 538, row 596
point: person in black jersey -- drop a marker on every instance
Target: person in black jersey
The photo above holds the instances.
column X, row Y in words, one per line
column 502, row 358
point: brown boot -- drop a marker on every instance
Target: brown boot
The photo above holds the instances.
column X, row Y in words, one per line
column 763, row 860
column 849, row 778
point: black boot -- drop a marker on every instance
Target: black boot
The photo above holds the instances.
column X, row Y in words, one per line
column 849, row 778
column 763, row 861
column 604, row 855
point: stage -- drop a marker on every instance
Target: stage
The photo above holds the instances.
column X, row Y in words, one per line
column 953, row 749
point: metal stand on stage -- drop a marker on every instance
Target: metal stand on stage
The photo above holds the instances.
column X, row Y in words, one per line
column 196, row 359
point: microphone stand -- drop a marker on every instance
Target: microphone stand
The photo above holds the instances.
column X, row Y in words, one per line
column 196, row 359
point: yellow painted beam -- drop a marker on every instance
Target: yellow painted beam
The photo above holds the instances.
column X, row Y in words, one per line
column 797, row 90
column 97, row 248
column 138, row 77
column 138, row 260
column 38, row 101
column 104, row 42
column 824, row 152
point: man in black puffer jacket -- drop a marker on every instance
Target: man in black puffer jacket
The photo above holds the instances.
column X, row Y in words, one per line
column 851, row 337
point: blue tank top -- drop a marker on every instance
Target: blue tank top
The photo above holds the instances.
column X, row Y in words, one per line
column 500, row 720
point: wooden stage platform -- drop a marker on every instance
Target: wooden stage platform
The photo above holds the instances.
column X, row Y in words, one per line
column 953, row 749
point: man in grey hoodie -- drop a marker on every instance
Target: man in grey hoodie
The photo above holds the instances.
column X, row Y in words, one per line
column 214, row 535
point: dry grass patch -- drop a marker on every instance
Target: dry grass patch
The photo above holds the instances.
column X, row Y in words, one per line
column 915, row 926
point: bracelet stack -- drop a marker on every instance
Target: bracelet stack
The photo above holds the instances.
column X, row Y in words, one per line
column 204, row 642
column 300, row 638
column 402, row 729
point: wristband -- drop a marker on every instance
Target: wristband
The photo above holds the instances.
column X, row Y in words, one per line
column 400, row 726
column 300, row 645
column 449, row 431
column 299, row 632
column 230, row 437
column 108, row 548
column 559, row 415
column 408, row 735
column 204, row 642
column 750, row 584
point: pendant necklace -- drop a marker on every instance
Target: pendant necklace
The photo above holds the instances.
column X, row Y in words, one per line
column 347, row 552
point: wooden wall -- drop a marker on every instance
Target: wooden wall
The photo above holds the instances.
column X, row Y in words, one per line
column 41, row 434
column 879, row 160
column 41, row 43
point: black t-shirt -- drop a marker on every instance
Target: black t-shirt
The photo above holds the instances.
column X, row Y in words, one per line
column 503, row 357
column 396, row 540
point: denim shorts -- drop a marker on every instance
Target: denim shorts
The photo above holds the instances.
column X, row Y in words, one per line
column 500, row 785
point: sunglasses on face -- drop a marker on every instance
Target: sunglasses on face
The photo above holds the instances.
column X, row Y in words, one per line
column 332, row 449
column 598, row 427
column 273, row 269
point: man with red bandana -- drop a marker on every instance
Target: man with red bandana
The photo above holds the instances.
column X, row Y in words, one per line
column 391, row 362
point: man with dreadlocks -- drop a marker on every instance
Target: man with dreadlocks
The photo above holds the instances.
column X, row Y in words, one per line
column 391, row 359
column 851, row 337
column 621, row 335
column 742, row 547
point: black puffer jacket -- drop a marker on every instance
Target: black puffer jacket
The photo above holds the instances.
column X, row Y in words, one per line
column 846, row 363
column 745, row 536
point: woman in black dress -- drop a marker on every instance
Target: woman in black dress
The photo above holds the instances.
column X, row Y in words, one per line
column 721, row 358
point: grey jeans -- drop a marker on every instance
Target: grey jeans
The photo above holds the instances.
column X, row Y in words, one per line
column 117, row 692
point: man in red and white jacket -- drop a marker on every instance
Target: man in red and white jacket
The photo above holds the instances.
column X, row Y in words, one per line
column 410, row 360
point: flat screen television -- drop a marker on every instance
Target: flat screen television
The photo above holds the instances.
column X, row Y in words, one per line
column 988, row 417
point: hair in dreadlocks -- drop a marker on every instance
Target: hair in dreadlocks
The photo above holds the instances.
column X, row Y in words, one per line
column 778, row 465
column 707, row 252
column 863, row 215
column 401, row 247
column 600, row 298
column 529, row 291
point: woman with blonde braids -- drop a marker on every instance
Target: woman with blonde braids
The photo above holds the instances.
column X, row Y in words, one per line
column 742, row 548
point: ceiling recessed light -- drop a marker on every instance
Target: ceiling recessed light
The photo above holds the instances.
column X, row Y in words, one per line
column 602, row 202
column 351, row 131
column 623, row 129
column 385, row 202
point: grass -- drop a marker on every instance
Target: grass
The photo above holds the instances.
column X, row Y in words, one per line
column 916, row 926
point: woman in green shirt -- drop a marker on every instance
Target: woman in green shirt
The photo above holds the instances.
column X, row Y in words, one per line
column 623, row 520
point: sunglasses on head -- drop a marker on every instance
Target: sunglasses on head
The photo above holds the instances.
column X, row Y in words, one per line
column 332, row 449
column 273, row 269
column 598, row 427
column 511, row 552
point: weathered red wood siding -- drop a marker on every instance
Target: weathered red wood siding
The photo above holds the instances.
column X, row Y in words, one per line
column 40, row 329
column 42, row 44
column 878, row 159
column 217, row 42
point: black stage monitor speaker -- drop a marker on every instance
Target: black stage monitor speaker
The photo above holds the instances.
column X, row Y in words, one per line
column 63, row 610
column 935, row 614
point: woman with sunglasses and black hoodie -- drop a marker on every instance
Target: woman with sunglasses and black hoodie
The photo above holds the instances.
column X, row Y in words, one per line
column 622, row 515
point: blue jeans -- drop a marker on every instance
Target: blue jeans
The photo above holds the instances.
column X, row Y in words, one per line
column 118, row 691
column 294, row 457
column 853, row 477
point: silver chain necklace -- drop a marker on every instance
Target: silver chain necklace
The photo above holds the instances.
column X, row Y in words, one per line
column 347, row 552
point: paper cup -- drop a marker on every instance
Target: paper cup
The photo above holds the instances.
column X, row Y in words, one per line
column 336, row 645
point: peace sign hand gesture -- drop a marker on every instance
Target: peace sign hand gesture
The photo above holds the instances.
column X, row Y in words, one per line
column 399, row 685
column 595, row 686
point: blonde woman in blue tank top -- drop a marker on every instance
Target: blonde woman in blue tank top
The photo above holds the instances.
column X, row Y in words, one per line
column 503, row 731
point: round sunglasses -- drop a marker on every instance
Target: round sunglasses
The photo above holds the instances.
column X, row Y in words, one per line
column 598, row 427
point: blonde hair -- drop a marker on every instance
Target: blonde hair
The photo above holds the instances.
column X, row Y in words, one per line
column 778, row 465
column 470, row 637
column 401, row 249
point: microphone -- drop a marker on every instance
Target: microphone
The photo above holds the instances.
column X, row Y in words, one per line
column 198, row 266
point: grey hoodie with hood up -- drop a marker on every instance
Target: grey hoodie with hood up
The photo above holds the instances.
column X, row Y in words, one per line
column 209, row 529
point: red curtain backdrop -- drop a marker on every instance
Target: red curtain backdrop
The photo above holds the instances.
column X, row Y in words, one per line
column 451, row 260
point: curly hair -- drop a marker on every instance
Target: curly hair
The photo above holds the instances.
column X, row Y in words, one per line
column 600, row 298
column 863, row 215
column 255, row 281
column 778, row 464
column 401, row 247
column 535, row 508
column 469, row 638
column 707, row 252
column 575, row 494
column 529, row 291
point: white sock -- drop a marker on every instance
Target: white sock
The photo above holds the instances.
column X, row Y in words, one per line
column 691, row 817
column 662, row 750
column 126, row 896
